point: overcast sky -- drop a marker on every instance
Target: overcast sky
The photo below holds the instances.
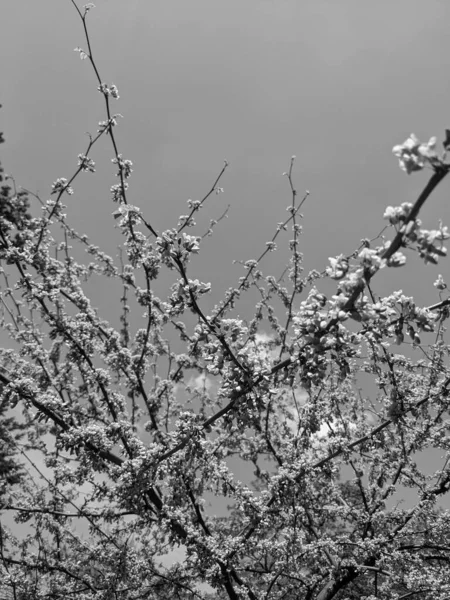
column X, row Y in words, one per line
column 335, row 82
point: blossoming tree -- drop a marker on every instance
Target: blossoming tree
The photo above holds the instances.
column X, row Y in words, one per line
column 139, row 462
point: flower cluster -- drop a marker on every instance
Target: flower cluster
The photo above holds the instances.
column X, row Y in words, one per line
column 440, row 283
column 414, row 156
column 398, row 214
column 429, row 243
column 412, row 317
column 124, row 166
column 81, row 52
column 111, row 90
column 338, row 267
column 172, row 246
column 106, row 125
column 117, row 190
column 60, row 185
column 86, row 163
column 127, row 214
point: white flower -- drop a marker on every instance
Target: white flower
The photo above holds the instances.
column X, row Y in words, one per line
column 338, row 267
column 397, row 214
column 428, row 150
column 60, row 185
column 82, row 53
column 408, row 155
column 440, row 283
column 114, row 91
column 413, row 155
column 86, row 163
column 398, row 259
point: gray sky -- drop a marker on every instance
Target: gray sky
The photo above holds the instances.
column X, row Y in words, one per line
column 336, row 82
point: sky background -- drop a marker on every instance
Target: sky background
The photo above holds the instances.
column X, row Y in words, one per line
column 336, row 82
column 250, row 81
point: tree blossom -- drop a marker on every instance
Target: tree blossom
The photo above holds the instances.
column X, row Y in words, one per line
column 413, row 155
column 338, row 267
column 81, row 52
column 240, row 444
column 60, row 185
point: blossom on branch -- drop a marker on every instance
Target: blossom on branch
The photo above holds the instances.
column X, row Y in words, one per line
column 81, row 52
column 61, row 185
column 414, row 156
